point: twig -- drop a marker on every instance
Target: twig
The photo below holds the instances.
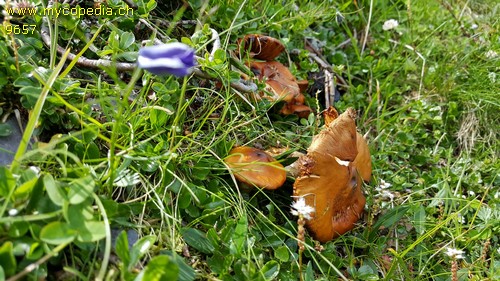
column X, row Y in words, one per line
column 131, row 4
column 345, row 43
column 168, row 24
column 323, row 64
column 36, row 264
column 329, row 88
column 83, row 61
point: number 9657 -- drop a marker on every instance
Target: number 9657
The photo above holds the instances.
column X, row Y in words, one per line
column 20, row 29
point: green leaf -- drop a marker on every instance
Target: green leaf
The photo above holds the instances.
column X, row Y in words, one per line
column 92, row 151
column 197, row 240
column 2, row 273
column 25, row 188
column 81, row 189
column 270, row 270
column 122, row 249
column 57, row 233
column 240, row 235
column 184, row 199
column 31, row 95
column 419, row 220
column 309, row 274
column 220, row 263
column 186, row 272
column 126, row 40
column 7, row 183
column 18, row 229
column 55, row 193
column 26, row 51
column 282, row 254
column 7, row 259
column 140, row 248
column 22, row 81
column 391, row 217
column 161, row 268
column 91, row 231
column 5, row 130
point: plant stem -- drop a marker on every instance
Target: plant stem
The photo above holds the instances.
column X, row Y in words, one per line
column 36, row 264
column 107, row 247
column 178, row 115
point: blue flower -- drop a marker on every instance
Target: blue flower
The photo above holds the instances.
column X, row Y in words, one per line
column 172, row 58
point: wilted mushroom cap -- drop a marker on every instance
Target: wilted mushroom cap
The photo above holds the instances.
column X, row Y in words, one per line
column 279, row 79
column 328, row 180
column 261, row 47
column 256, row 168
column 283, row 86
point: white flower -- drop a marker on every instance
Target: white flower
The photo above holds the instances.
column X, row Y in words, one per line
column 300, row 208
column 491, row 54
column 386, row 194
column 384, row 185
column 390, row 24
column 474, row 26
column 492, row 76
column 455, row 253
column 13, row 212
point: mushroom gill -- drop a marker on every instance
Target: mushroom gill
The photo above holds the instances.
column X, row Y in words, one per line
column 329, row 180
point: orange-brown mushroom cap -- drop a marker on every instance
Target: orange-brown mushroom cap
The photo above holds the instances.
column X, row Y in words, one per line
column 328, row 180
column 261, row 47
column 256, row 168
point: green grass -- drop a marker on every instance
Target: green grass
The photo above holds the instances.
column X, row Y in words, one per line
column 111, row 156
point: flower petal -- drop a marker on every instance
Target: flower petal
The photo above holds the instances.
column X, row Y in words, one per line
column 172, row 58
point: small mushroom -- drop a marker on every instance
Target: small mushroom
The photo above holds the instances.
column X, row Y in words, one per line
column 261, row 47
column 254, row 167
column 329, row 180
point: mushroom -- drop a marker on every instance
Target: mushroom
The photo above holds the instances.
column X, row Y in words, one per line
column 328, row 178
column 254, row 167
column 261, row 47
column 283, row 86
